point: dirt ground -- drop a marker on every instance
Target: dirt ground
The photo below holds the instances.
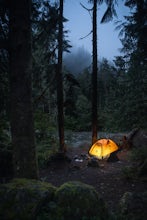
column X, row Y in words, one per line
column 107, row 179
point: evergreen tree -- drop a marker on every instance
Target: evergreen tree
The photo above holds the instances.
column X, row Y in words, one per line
column 22, row 126
column 135, row 29
column 94, row 74
column 106, row 17
column 60, row 81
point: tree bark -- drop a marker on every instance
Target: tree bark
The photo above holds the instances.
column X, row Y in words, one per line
column 94, row 75
column 22, row 124
column 60, row 82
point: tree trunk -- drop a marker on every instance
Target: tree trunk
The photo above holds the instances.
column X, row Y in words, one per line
column 94, row 75
column 60, row 82
column 22, row 126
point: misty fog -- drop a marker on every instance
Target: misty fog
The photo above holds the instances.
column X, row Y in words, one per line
column 77, row 60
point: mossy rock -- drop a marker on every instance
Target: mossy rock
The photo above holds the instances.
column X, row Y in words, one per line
column 133, row 206
column 76, row 200
column 22, row 199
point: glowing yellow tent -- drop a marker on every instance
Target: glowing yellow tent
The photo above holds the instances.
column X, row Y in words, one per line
column 103, row 148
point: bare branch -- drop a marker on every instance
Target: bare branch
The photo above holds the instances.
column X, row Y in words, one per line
column 86, row 36
column 88, row 9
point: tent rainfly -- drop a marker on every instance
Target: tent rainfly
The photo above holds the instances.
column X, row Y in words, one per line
column 102, row 148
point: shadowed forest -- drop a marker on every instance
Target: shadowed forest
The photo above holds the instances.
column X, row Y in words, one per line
column 56, row 102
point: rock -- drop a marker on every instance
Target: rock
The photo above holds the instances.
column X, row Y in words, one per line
column 84, row 156
column 25, row 199
column 113, row 157
column 76, row 200
column 93, row 162
column 119, row 139
column 137, row 138
column 133, row 206
column 78, row 160
column 21, row 199
column 81, row 158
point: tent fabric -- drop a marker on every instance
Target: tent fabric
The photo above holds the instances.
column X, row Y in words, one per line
column 103, row 148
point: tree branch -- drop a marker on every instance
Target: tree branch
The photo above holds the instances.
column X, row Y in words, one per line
column 86, row 35
column 88, row 9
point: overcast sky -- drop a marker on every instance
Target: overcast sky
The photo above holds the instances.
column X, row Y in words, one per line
column 80, row 25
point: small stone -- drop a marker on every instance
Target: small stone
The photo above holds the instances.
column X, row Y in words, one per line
column 93, row 162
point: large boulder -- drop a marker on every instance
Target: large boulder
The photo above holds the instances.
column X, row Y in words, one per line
column 137, row 138
column 24, row 199
column 119, row 139
column 76, row 200
column 21, row 199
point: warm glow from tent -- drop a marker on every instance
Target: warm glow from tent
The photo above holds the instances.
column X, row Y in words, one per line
column 103, row 148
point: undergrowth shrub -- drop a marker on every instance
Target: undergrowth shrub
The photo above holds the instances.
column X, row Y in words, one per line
column 138, row 158
column 139, row 154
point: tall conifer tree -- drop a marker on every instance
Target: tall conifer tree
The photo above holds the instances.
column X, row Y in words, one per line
column 60, row 81
column 22, row 126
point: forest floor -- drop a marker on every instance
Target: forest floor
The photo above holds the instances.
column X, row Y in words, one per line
column 108, row 179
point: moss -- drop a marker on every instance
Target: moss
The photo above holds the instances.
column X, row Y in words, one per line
column 22, row 198
column 76, row 200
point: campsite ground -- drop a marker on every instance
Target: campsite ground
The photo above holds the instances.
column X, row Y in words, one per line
column 108, row 179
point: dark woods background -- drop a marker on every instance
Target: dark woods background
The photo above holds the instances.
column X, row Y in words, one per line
column 41, row 95
column 122, row 84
